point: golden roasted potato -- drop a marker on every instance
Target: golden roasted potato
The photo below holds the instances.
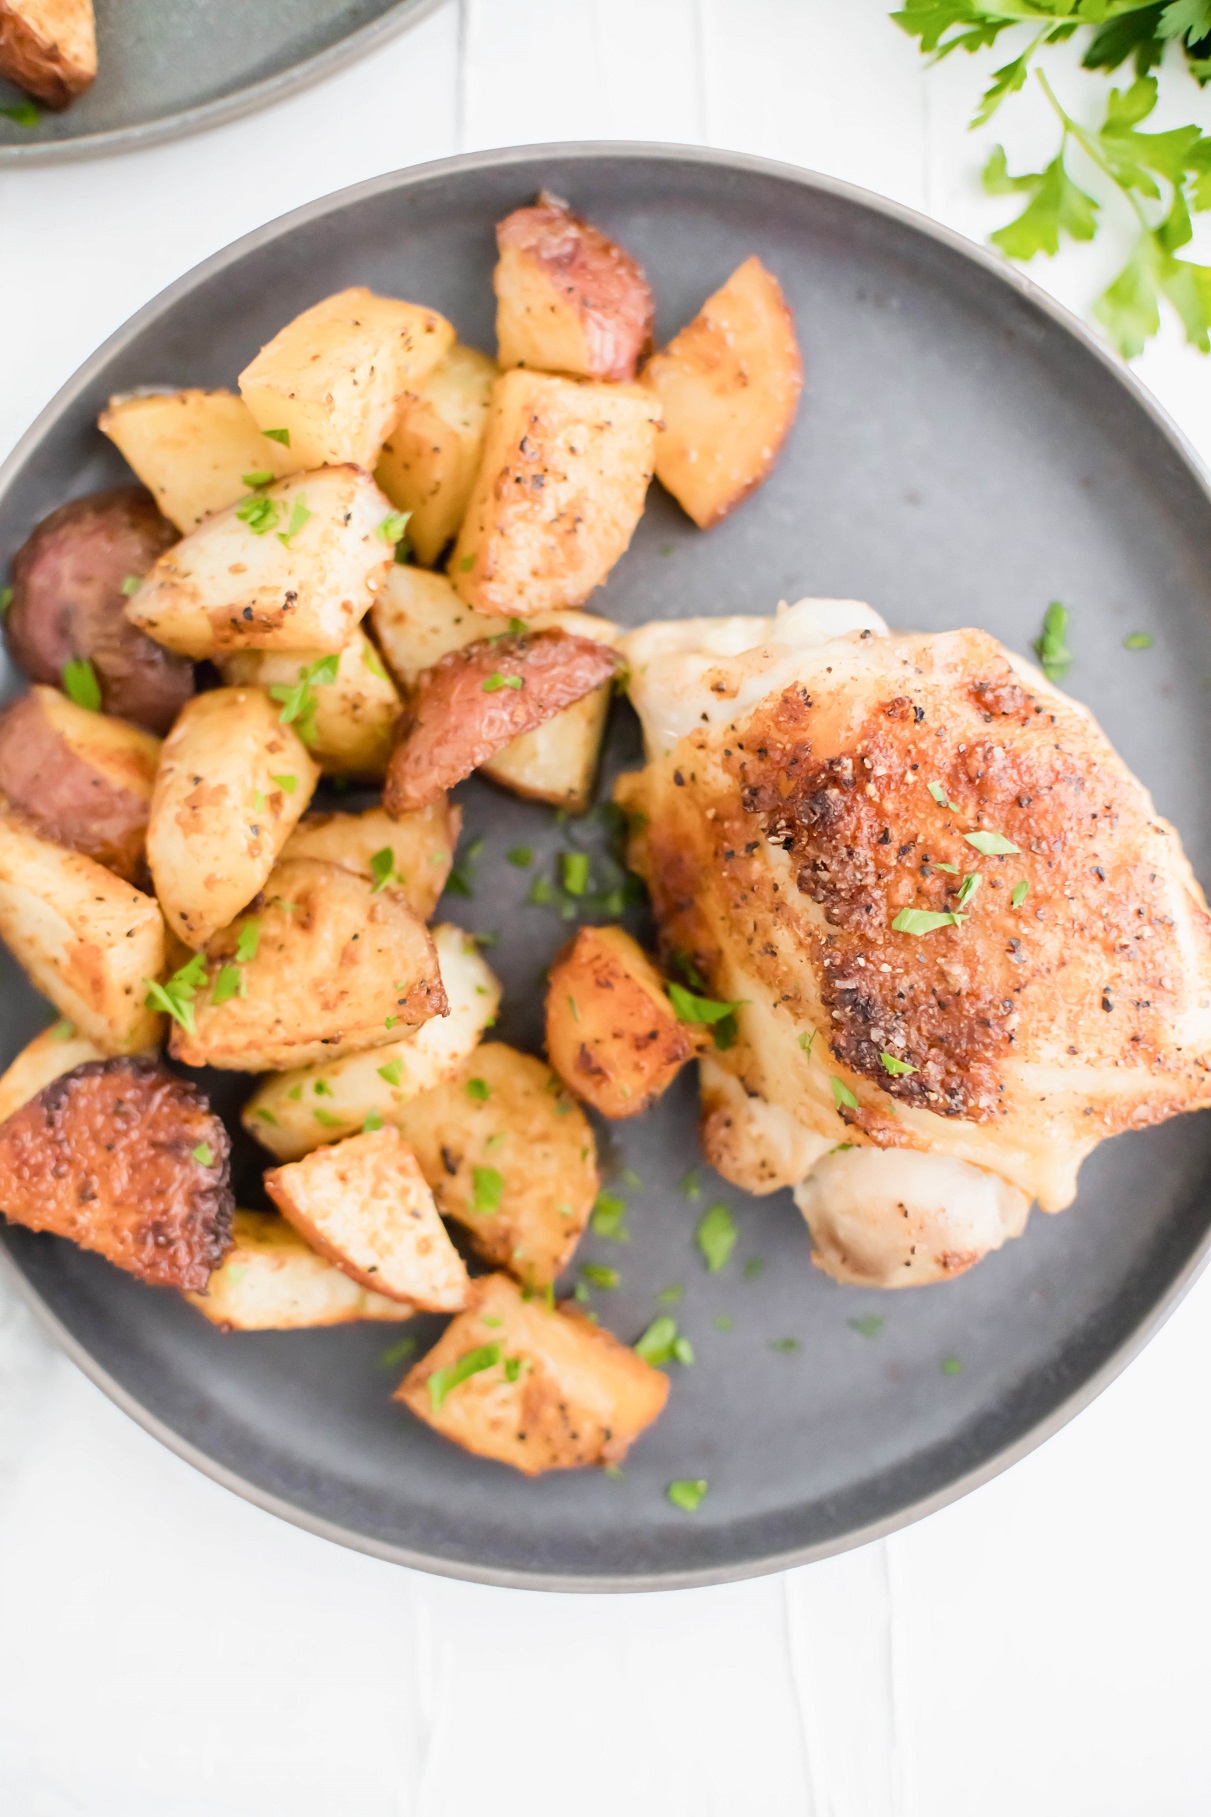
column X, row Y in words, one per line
column 196, row 451
column 428, row 463
column 568, row 299
column 414, row 853
column 727, row 388
column 298, row 1111
column 319, row 965
column 418, row 618
column 349, row 732
column 48, row 48
column 364, row 1203
column 126, row 1159
column 557, row 761
column 271, row 1280
column 509, row 1157
column 294, row 567
column 541, row 1390
column 89, row 941
column 476, row 701
column 332, row 380
column 232, row 784
column 82, row 779
column 612, row 1034
column 560, row 489
column 57, row 1050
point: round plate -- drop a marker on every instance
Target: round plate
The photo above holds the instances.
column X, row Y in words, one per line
column 168, row 67
column 964, row 454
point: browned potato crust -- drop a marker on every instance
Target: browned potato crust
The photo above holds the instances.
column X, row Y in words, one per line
column 114, row 1156
column 577, row 1395
column 567, row 298
column 728, row 387
column 82, row 779
column 420, row 846
column 501, row 1130
column 68, row 603
column 612, row 1034
column 48, row 48
column 475, row 701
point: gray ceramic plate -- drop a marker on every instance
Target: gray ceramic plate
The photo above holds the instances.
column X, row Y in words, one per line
column 964, row 454
column 168, row 67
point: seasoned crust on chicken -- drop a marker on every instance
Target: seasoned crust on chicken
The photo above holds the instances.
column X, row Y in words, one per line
column 114, row 1156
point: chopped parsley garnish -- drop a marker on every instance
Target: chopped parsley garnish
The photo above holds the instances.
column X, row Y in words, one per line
column 258, row 512
column 487, row 1185
column 322, row 1089
column 992, row 845
column 719, row 1016
column 575, row 869
column 22, row 113
column 299, row 516
column 951, row 1365
column 843, row 1097
column 259, row 802
column 392, row 1072
column 807, row 1041
column 286, row 782
column 266, row 1116
column 62, row 1031
column 131, row 584
column 968, row 888
column 397, row 1352
column 520, row 855
column 691, row 1184
column 382, row 869
column 724, row 1321
column 925, row 921
column 461, row 879
column 496, row 1140
column 175, row 996
column 478, row 1089
column 897, row 1068
column 473, row 1362
column 6, row 599
column 370, row 1122
column 786, row 1345
column 598, row 1275
column 496, row 681
column 298, row 699
column 277, row 435
column 203, row 1154
column 1138, row 640
column 80, row 683
column 716, row 1237
column 687, row 1493
column 326, row 1119
column 229, row 983
column 867, row 1324
column 939, row 795
column 262, row 477
column 951, row 869
column 669, row 1296
column 1055, row 658
column 1020, row 892
column 393, row 526
column 371, row 661
column 514, row 1367
column 608, row 1218
column 247, row 941
column 466, row 564
column 663, row 1343
column 753, row 1267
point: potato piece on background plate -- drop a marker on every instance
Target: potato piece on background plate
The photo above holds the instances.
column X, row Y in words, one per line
column 232, row 784
column 125, row 1159
column 414, row 853
column 541, row 1390
column 300, row 1110
column 348, row 722
column 82, row 779
column 557, row 761
column 510, row 1157
column 292, row 567
column 561, row 486
column 333, row 378
column 271, row 1280
column 429, row 460
column 727, row 389
column 194, row 450
column 612, row 1034
column 364, row 1203
column 321, row 965
column 57, row 1050
column 568, row 299
column 88, row 940
column 48, row 48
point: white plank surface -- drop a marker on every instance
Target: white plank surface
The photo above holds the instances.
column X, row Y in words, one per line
column 167, row 1650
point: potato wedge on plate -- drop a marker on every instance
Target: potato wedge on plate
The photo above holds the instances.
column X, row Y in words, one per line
column 364, row 1204
column 568, row 299
column 541, row 1390
column 612, row 1034
column 232, row 784
column 48, row 48
column 429, row 460
column 272, row 1280
column 414, row 853
column 197, row 452
column 299, row 1110
column 293, row 567
column 347, row 713
column 57, row 1050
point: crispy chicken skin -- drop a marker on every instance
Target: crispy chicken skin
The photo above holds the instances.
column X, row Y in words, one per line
column 113, row 1155
column 802, row 793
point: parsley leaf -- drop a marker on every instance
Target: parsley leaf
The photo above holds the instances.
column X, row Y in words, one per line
column 479, row 1089
column 1138, row 640
column 716, row 1237
column 897, row 1068
column 714, row 1013
column 258, row 512
column 843, row 1097
column 487, row 1185
column 298, row 699
column 393, row 526
column 22, row 113
column 991, row 844
column 277, row 435
column 382, row 869
column 80, row 683
column 299, row 516
column 663, row 1343
column 925, row 921
column 687, row 1493
column 203, row 1154
column 867, row 1324
column 598, row 1275
column 175, row 996
column 575, row 868
column 1020, row 892
column 472, row 1362
column 608, row 1218
column 1055, row 658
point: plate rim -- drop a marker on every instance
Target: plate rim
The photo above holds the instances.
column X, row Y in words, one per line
column 508, row 1577
column 400, row 17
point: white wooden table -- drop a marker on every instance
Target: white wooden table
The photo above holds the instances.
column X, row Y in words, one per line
column 167, row 1651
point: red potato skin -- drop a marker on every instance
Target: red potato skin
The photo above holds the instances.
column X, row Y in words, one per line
column 105, row 1155
column 24, row 60
column 65, row 798
column 68, row 602
column 454, row 724
column 607, row 285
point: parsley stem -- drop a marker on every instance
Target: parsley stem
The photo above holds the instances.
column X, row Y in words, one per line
column 1091, row 149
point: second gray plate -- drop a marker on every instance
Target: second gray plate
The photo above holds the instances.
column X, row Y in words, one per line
column 963, row 455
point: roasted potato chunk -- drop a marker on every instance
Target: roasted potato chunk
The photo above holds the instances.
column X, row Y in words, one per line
column 322, row 965
column 727, row 388
column 541, row 1390
column 414, row 853
column 294, row 567
column 48, row 48
column 89, row 941
column 476, row 701
column 298, row 1111
column 123, row 1158
column 333, row 378
column 612, row 1034
column 351, row 722
column 567, row 298
column 196, row 451
column 57, row 1050
column 232, row 784
column 557, row 761
column 428, row 463
column 560, row 489
column 510, row 1157
column 69, row 605
column 364, row 1203
column 82, row 779
column 271, row 1280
